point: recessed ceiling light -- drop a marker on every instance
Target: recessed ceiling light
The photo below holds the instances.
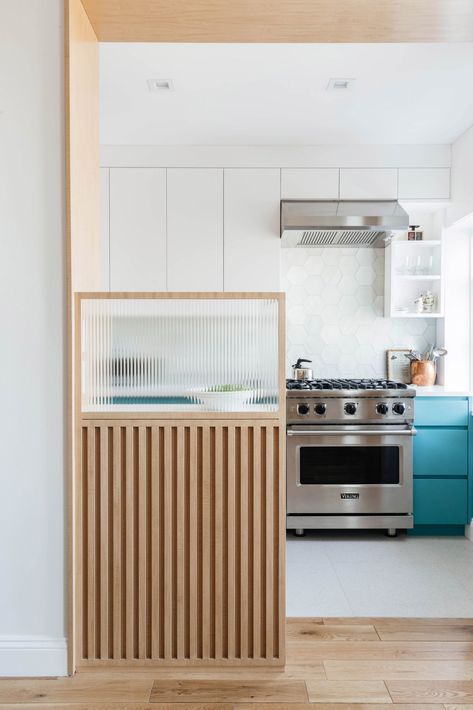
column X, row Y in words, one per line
column 340, row 84
column 159, row 85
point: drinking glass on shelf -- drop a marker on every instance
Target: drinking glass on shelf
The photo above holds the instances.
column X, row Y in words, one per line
column 407, row 267
column 418, row 265
column 427, row 266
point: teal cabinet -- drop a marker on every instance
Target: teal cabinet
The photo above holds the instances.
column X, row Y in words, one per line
column 441, row 464
column 441, row 452
column 440, row 502
column 441, row 411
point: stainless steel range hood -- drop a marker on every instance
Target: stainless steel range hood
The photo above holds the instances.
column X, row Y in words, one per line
column 341, row 223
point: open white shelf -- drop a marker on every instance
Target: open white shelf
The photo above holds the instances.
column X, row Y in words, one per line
column 419, row 277
column 397, row 314
column 403, row 288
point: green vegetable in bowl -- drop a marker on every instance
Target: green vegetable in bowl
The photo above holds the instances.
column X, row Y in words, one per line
column 227, row 388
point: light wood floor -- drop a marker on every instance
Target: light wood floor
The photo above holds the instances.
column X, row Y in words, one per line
column 332, row 664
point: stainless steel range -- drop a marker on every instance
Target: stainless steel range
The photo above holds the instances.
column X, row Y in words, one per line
column 349, row 454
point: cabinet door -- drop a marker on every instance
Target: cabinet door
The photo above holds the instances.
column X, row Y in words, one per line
column 138, row 229
column 441, row 411
column 368, row 183
column 424, row 183
column 441, row 452
column 309, row 183
column 195, row 229
column 251, row 229
column 440, row 502
column 105, row 229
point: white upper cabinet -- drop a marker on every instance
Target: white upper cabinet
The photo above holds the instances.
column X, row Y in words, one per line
column 368, row 183
column 309, row 183
column 424, row 183
column 138, row 229
column 105, row 229
column 251, row 229
column 195, row 229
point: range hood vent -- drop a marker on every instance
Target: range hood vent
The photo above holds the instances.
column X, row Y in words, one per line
column 341, row 223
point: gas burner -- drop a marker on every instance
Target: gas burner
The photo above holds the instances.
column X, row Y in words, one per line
column 298, row 384
column 345, row 384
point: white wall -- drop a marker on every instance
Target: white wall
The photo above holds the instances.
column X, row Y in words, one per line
column 461, row 178
column 458, row 244
column 334, row 313
column 311, row 156
column 32, row 351
column 457, row 323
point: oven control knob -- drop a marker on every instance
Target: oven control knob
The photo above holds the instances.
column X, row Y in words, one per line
column 382, row 408
column 350, row 408
column 399, row 408
column 303, row 409
column 320, row 408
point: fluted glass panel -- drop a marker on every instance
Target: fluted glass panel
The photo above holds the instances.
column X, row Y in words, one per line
column 179, row 354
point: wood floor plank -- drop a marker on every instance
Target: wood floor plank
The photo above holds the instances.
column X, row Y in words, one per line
column 306, row 630
column 341, row 691
column 122, row 706
column 394, row 621
column 226, row 706
column 392, row 670
column 80, row 688
column 312, row 651
column 425, row 632
column 292, row 671
column 208, row 691
column 338, row 706
column 428, row 691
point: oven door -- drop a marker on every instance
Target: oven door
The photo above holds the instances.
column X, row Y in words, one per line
column 336, row 470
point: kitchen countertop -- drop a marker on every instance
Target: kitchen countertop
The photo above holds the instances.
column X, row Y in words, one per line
column 440, row 391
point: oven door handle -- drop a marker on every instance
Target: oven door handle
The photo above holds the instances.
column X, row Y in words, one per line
column 368, row 432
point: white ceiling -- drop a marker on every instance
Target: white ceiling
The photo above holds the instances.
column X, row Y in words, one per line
column 275, row 94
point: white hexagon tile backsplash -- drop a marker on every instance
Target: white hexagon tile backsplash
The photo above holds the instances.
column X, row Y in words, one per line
column 334, row 312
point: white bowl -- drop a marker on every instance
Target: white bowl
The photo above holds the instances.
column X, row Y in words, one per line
column 224, row 401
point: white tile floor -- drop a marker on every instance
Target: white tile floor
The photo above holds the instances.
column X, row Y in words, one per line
column 367, row 574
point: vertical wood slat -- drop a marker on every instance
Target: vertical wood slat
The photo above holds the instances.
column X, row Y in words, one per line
column 182, row 542
column 193, row 542
column 269, row 543
column 117, row 553
column 104, row 545
column 142, row 544
column 129, row 545
column 155, row 542
column 231, row 545
column 167, row 581
column 258, row 580
column 205, row 503
column 243, row 534
column 218, row 543
column 91, row 545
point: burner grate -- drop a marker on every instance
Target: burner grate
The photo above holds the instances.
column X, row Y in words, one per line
column 345, row 384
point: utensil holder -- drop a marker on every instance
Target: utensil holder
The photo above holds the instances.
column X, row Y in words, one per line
column 423, row 373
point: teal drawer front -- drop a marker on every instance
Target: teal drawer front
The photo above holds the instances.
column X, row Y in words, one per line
column 441, row 452
column 441, row 411
column 440, row 502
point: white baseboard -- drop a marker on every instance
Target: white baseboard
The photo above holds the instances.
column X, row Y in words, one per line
column 33, row 656
column 469, row 531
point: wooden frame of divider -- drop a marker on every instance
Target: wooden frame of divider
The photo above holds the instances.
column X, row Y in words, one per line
column 239, row 485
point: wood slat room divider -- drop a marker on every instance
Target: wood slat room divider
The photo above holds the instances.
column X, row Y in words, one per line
column 180, row 553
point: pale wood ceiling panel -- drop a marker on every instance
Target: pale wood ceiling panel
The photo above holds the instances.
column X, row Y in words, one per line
column 281, row 20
